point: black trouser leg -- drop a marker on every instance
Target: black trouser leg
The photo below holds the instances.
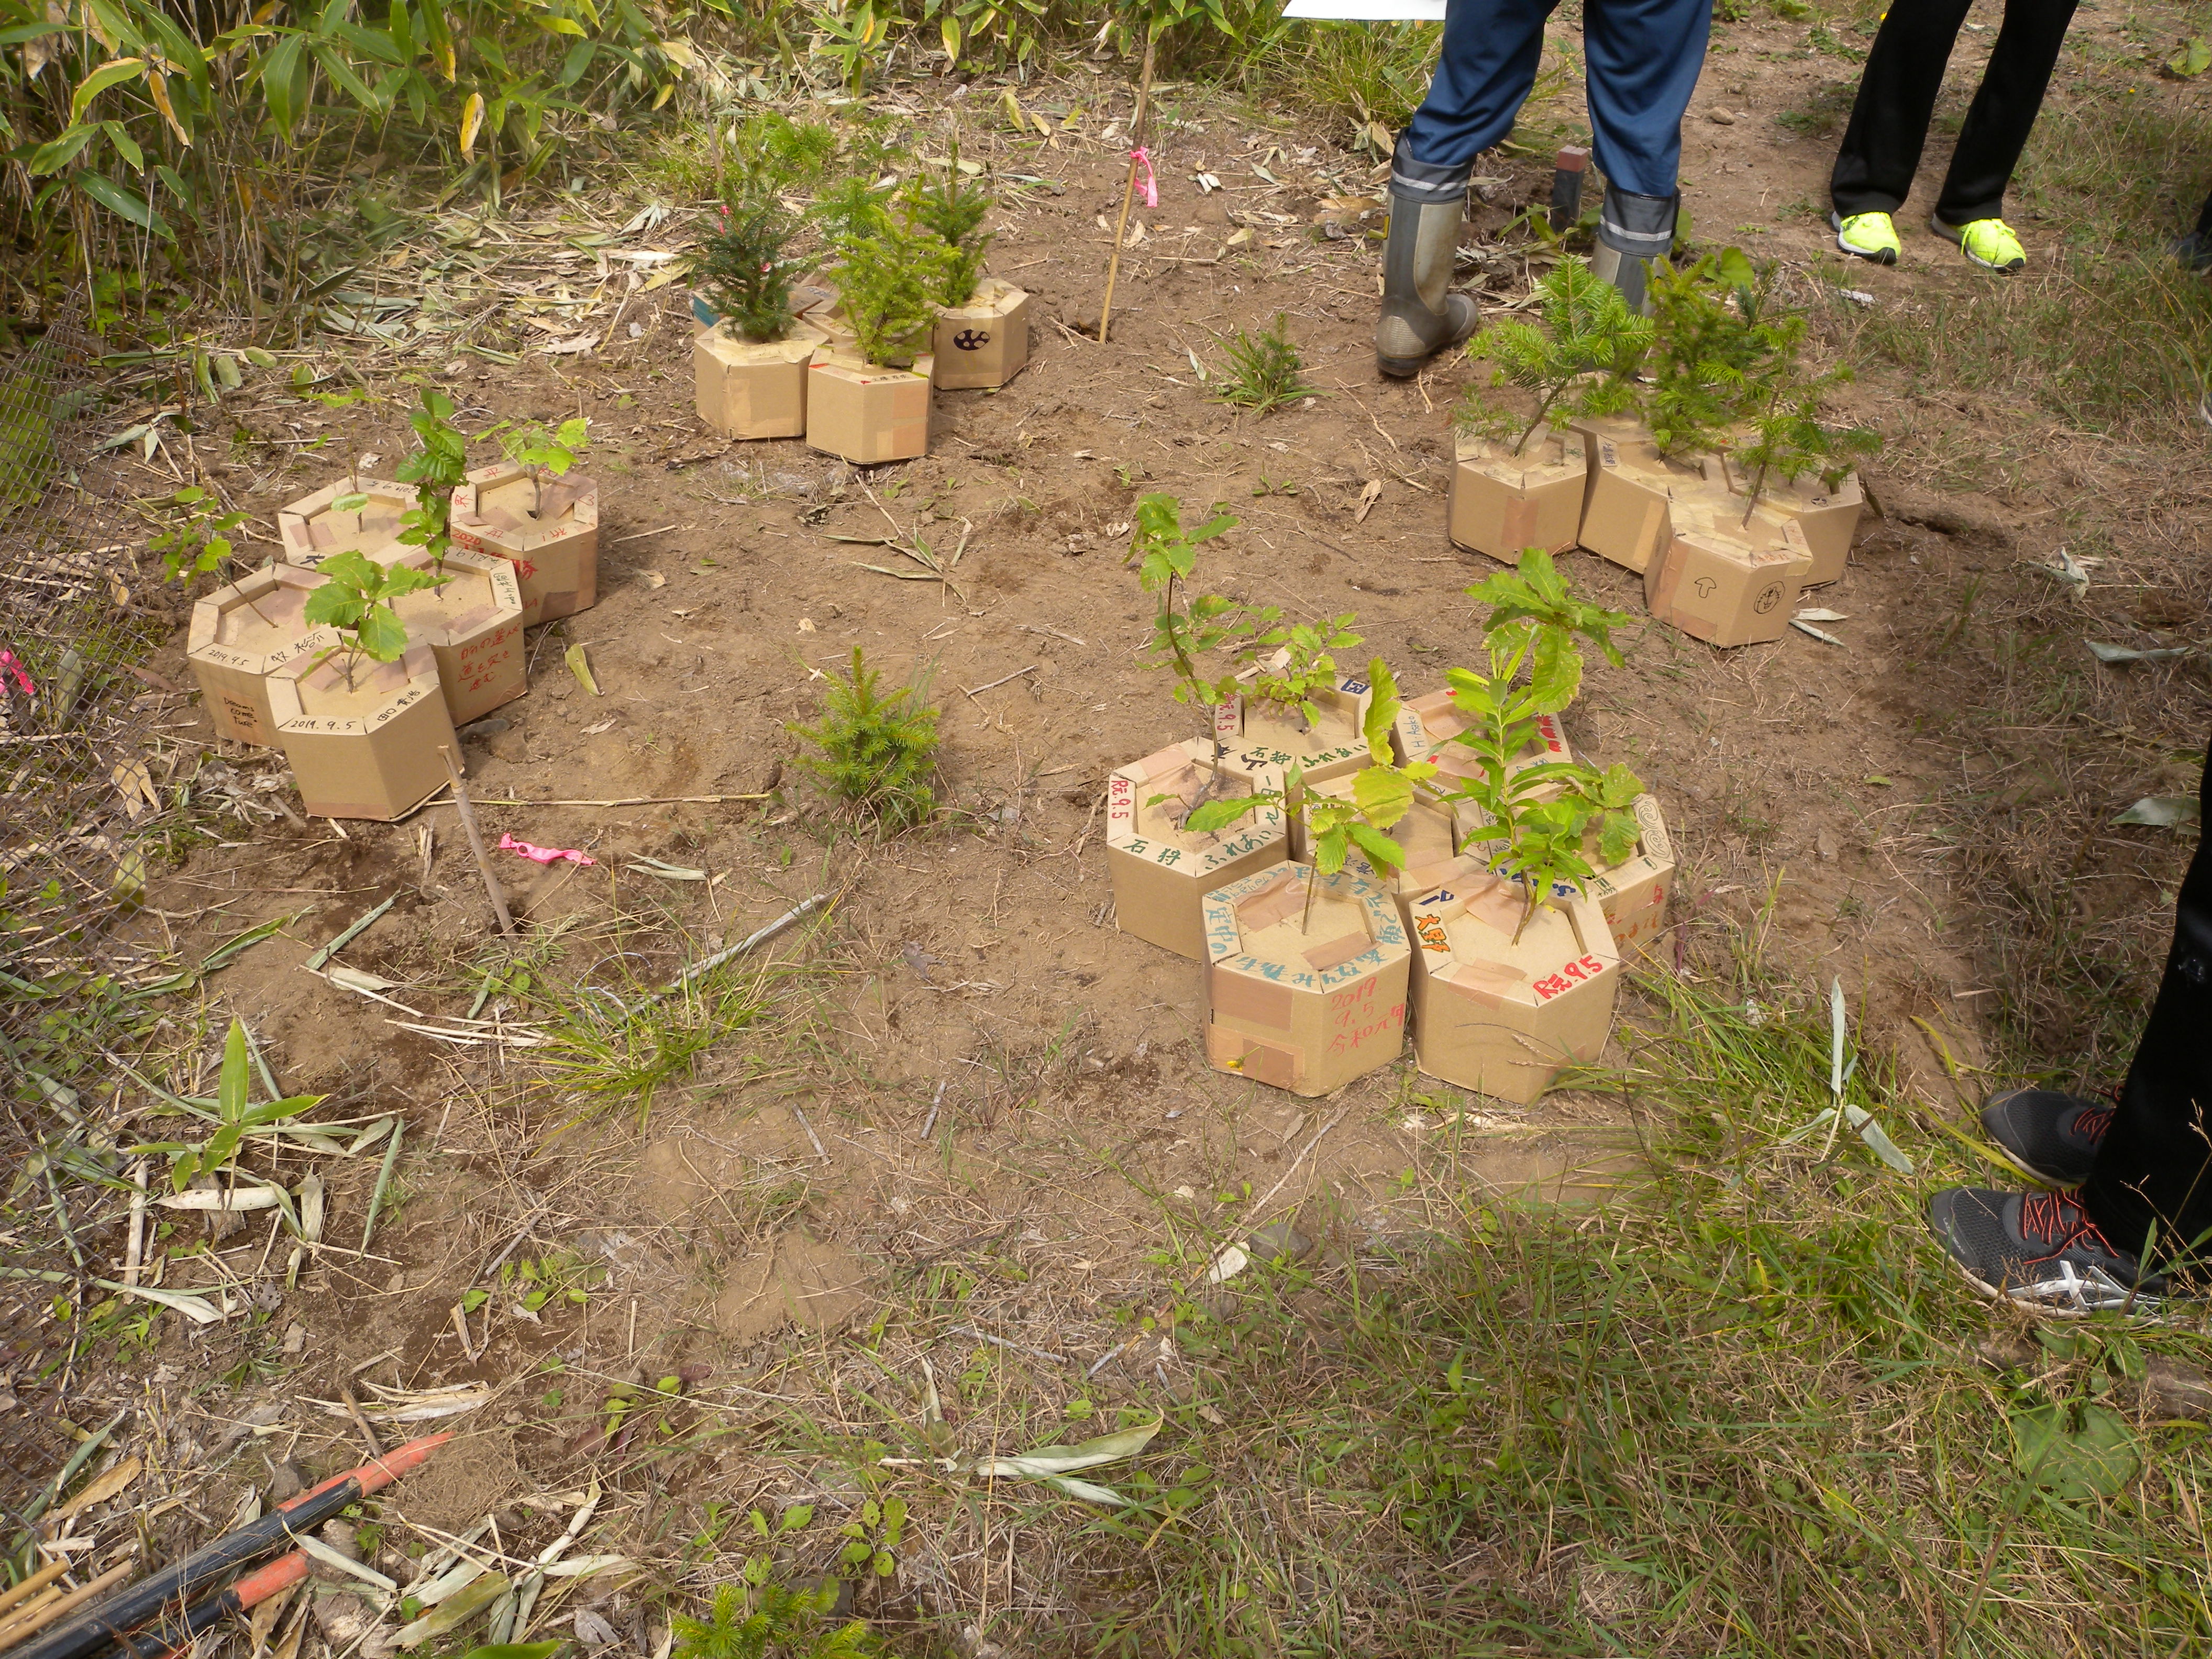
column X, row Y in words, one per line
column 2004, row 110
column 2204, row 223
column 1896, row 98
column 2154, row 1168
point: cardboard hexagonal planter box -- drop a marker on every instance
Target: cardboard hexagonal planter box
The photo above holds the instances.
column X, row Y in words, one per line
column 1724, row 580
column 1627, row 507
column 1634, row 893
column 312, row 529
column 473, row 627
column 363, row 747
column 747, row 389
column 1435, row 721
column 1502, row 503
column 1304, row 1000
column 1829, row 518
column 865, row 412
column 242, row 633
column 984, row 342
column 550, row 535
column 1502, row 1015
column 1162, row 873
column 1258, row 734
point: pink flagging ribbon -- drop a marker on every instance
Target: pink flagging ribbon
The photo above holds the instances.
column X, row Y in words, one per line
column 544, row 855
column 17, row 672
column 1143, row 157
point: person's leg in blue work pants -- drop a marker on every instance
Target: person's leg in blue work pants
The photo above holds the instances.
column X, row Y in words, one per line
column 1644, row 58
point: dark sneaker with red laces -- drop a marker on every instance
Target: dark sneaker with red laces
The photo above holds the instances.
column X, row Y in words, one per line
column 2052, row 1136
column 2040, row 1250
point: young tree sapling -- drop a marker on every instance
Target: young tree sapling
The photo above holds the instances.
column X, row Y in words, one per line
column 355, row 597
column 890, row 279
column 538, row 451
column 1307, row 666
column 1578, row 359
column 199, row 539
column 743, row 269
column 953, row 209
column 436, row 470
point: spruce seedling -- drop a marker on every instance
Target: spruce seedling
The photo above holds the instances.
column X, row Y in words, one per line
column 1789, row 437
column 1187, row 626
column 953, row 209
column 743, row 269
column 849, row 208
column 760, row 1616
column 1265, row 371
column 539, row 451
column 879, row 752
column 436, row 470
column 1578, row 359
column 1705, row 350
column 355, row 597
column 890, row 280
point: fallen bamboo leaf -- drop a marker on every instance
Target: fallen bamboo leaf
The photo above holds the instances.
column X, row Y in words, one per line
column 236, row 1201
column 345, row 1564
column 1807, row 627
column 347, row 935
column 583, row 1566
column 1053, row 1465
column 580, row 666
column 102, row 1488
column 2162, row 812
column 197, row 1308
column 2104, row 652
column 1820, row 613
column 354, row 980
column 650, row 867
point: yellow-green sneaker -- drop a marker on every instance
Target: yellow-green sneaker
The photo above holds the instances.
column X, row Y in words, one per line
column 1989, row 243
column 1867, row 236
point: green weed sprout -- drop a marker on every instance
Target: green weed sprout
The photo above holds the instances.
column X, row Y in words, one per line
column 878, row 752
column 539, row 451
column 1382, row 793
column 1265, row 371
column 1579, row 360
column 1188, row 626
column 436, row 470
column 355, row 598
column 1544, row 813
column 744, row 272
column 199, row 540
column 236, row 1117
column 953, row 209
column 760, row 1616
column 890, row 280
column 1307, row 666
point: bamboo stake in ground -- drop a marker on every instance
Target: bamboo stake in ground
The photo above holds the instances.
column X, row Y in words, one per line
column 1129, row 192
column 475, row 841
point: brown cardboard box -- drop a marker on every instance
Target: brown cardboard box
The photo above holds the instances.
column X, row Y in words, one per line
column 555, row 554
column 312, row 530
column 1305, row 1002
column 1627, row 507
column 1161, row 872
column 367, row 749
column 866, row 413
column 984, row 342
column 238, row 634
column 1502, row 503
column 1829, row 518
column 473, row 626
column 1634, row 893
column 1500, row 1015
column 1257, row 734
column 1725, row 581
column 746, row 390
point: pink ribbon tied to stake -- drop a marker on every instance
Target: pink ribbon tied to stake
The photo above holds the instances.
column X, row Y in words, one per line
column 544, row 855
column 1143, row 158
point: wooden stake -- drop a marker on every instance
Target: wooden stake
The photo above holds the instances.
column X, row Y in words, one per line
column 31, row 1586
column 30, row 1624
column 476, row 841
column 1129, row 192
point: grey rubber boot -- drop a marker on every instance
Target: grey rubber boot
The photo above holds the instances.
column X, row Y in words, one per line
column 1631, row 231
column 1421, row 316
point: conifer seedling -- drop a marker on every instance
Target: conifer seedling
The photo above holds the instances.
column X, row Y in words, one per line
column 878, row 751
column 1578, row 359
column 890, row 279
column 743, row 270
column 953, row 209
column 355, row 597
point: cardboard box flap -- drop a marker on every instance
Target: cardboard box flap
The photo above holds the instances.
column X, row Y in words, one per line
column 1283, row 896
column 1337, row 951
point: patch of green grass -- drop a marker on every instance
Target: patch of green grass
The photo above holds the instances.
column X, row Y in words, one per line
column 1751, row 1412
column 1264, row 371
column 1364, row 72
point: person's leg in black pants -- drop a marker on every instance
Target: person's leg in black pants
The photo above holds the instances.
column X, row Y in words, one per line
column 1881, row 147
column 2145, row 1166
column 2195, row 250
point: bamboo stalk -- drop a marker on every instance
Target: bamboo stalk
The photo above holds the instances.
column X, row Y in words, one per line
column 1130, row 190
column 31, row 1586
column 476, row 841
column 32, row 1624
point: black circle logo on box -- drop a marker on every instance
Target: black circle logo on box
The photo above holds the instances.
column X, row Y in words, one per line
column 971, row 339
column 1769, row 597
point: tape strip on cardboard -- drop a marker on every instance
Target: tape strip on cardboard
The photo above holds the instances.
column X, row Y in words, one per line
column 1254, row 1057
column 1242, row 997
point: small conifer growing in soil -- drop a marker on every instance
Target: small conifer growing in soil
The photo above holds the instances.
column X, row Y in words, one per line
column 1578, row 359
column 953, row 209
column 878, row 752
column 743, row 270
column 890, row 279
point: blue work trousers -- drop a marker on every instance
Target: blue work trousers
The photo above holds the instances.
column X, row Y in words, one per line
column 1644, row 58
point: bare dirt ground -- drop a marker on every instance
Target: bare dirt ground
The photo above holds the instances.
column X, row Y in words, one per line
column 977, row 1102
